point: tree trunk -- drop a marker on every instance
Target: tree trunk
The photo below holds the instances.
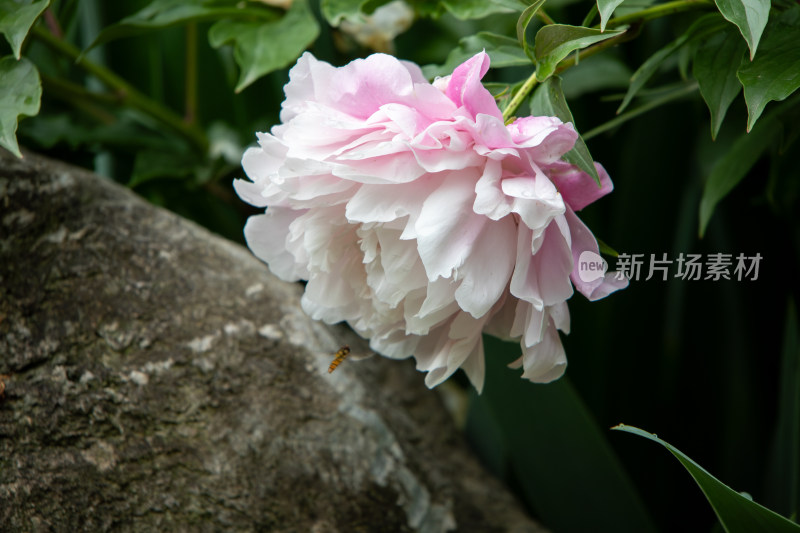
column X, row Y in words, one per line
column 159, row 378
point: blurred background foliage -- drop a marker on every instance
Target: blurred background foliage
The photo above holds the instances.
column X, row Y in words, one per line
column 713, row 367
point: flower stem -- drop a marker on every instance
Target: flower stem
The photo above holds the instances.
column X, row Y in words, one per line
column 519, row 96
column 636, row 19
column 660, row 10
column 191, row 73
column 125, row 93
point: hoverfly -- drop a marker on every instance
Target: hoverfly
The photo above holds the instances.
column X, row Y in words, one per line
column 342, row 354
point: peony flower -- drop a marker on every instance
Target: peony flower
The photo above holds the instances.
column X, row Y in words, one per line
column 419, row 218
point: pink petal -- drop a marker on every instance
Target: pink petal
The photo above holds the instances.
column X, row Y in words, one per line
column 583, row 240
column 542, row 278
column 465, row 89
column 577, row 187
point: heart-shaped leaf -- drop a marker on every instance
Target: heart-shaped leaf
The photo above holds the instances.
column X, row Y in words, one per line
column 260, row 48
column 750, row 16
column 775, row 73
column 16, row 19
column 20, row 95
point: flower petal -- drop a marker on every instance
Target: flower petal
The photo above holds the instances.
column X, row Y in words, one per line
column 465, row 87
column 577, row 187
column 583, row 240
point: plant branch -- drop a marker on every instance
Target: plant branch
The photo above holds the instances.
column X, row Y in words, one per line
column 636, row 19
column 191, row 73
column 519, row 96
column 658, row 11
column 125, row 92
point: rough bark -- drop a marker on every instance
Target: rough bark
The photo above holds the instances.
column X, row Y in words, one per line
column 158, row 378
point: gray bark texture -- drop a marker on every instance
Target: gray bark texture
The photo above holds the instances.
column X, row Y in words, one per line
column 159, row 378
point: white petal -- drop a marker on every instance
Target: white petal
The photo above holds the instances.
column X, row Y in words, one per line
column 266, row 237
column 546, row 361
column 447, row 227
column 487, row 271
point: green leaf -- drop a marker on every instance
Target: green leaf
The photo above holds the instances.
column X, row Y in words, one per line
column 714, row 66
column 503, row 52
column 660, row 96
column 16, row 19
column 155, row 164
column 554, row 42
column 736, row 513
column 784, row 480
column 260, row 48
column 166, row 13
column 750, row 16
column 20, row 95
column 606, row 9
column 595, row 73
column 556, row 451
column 475, row 9
column 775, row 73
column 729, row 170
column 336, row 10
column 549, row 100
column 702, row 28
column 522, row 24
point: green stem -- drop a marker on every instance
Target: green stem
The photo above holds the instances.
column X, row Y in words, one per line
column 191, row 73
column 658, row 11
column 79, row 97
column 616, row 121
column 544, row 17
column 519, row 96
column 637, row 19
column 125, row 93
column 572, row 60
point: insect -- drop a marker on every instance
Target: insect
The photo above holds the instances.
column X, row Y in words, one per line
column 343, row 353
column 3, row 377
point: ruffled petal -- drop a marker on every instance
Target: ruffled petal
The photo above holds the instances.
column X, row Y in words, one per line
column 583, row 240
column 577, row 187
column 266, row 236
column 465, row 88
column 447, row 227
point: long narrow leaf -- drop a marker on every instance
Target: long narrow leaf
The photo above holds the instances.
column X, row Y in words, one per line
column 522, row 24
column 165, row 13
column 746, row 150
column 558, row 454
column 703, row 27
column 736, row 513
column 549, row 100
column 784, row 479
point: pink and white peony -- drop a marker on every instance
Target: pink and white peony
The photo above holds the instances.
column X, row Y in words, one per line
column 421, row 219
